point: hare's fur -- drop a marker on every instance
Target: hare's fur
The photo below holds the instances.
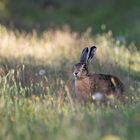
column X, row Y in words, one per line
column 90, row 87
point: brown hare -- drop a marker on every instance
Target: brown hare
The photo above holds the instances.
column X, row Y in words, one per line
column 94, row 87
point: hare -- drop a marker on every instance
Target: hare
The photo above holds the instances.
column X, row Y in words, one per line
column 93, row 87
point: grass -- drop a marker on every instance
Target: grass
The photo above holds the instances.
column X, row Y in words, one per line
column 36, row 87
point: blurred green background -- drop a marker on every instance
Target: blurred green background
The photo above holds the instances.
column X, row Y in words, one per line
column 120, row 16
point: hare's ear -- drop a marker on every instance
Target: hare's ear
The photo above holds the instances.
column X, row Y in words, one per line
column 84, row 55
column 91, row 53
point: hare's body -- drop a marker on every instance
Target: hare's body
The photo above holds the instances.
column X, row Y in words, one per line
column 106, row 85
column 94, row 86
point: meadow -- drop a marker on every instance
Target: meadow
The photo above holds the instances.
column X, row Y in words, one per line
column 36, row 86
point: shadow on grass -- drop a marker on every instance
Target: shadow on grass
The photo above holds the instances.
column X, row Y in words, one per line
column 36, row 78
column 41, row 78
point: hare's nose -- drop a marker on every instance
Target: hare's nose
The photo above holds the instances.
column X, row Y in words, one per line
column 75, row 73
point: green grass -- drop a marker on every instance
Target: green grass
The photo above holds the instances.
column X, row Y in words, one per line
column 48, row 118
column 40, row 106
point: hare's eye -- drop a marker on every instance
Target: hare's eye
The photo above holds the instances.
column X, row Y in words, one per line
column 83, row 67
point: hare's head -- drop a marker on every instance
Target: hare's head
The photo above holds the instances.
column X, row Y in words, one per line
column 81, row 68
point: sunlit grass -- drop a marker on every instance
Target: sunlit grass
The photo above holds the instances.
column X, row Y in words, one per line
column 36, row 87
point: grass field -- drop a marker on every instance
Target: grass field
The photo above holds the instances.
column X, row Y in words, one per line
column 36, row 87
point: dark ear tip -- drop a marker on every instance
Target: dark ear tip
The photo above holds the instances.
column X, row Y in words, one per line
column 86, row 48
column 93, row 47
